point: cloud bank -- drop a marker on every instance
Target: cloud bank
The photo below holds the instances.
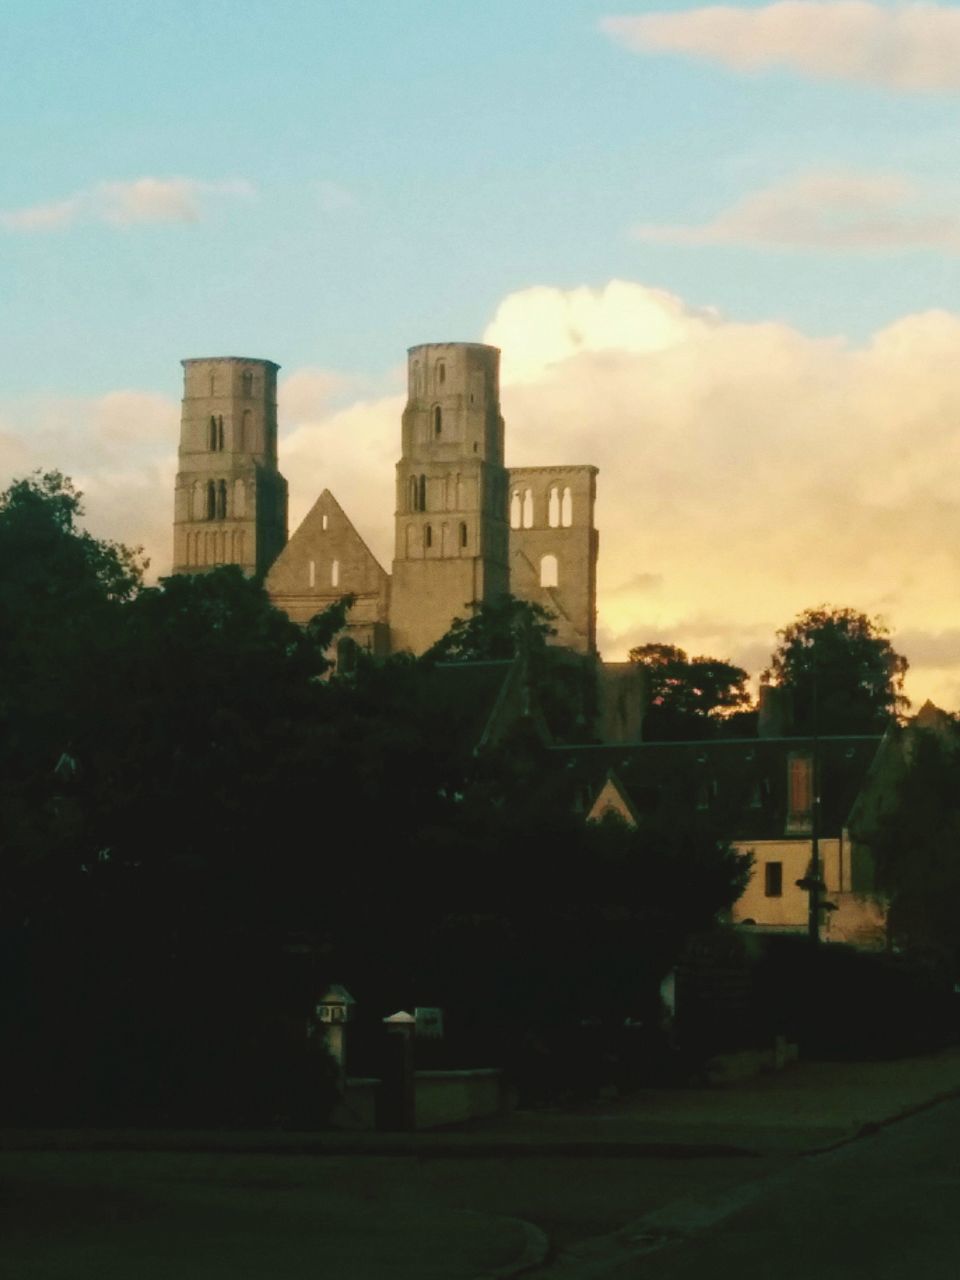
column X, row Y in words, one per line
column 903, row 47
column 747, row 471
column 124, row 204
column 835, row 211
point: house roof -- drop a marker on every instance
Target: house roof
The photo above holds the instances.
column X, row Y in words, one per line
column 477, row 701
column 743, row 781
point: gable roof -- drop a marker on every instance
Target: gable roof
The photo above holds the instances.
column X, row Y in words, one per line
column 744, row 781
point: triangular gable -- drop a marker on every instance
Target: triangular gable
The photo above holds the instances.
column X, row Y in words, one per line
column 326, row 535
column 613, row 798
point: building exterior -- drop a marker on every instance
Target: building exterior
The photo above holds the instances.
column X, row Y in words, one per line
column 467, row 528
column 761, row 790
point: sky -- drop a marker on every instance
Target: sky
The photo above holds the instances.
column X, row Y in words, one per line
column 719, row 247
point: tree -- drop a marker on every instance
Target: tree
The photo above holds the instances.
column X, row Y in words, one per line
column 914, row 841
column 502, row 628
column 843, row 674
column 689, row 697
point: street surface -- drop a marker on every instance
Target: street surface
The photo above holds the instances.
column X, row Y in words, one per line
column 886, row 1207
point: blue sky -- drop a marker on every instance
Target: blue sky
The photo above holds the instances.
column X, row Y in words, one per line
column 325, row 184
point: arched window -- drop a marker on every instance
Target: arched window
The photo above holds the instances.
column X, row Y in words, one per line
column 246, row 382
column 220, row 433
column 427, row 536
column 441, row 373
column 422, row 494
column 437, row 421
column 549, row 572
column 212, row 440
column 325, row 522
column 515, row 509
column 211, row 500
column 528, row 508
column 553, row 507
column 221, row 499
column 566, row 508
column 463, row 534
column 335, row 574
column 312, row 573
column 413, row 493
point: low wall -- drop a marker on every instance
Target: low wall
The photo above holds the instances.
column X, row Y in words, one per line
column 447, row 1097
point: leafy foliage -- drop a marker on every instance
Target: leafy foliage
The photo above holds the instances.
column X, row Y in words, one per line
column 842, row 671
column 689, row 698
column 915, row 844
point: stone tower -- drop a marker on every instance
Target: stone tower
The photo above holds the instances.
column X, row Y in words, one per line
column 231, row 501
column 554, row 546
column 451, row 528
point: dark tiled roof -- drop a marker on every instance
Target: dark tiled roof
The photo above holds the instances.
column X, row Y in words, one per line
column 742, row 780
column 461, row 698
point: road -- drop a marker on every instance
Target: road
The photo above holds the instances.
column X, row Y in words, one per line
column 886, row 1207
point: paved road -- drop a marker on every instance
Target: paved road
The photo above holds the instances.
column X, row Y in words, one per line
column 886, row 1207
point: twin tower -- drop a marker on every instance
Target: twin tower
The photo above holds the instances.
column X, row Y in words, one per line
column 467, row 529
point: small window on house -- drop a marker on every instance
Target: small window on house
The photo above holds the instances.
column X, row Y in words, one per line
column 773, row 879
column 566, row 508
column 312, row 573
column 553, row 507
column 246, row 382
column 335, row 574
column 437, row 421
column 463, row 534
column 549, row 572
column 324, row 522
column 515, row 509
column 528, row 508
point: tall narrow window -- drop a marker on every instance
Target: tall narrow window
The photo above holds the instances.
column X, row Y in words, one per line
column 413, row 493
column 213, row 384
column 549, row 572
column 422, row 494
column 220, row 433
column 211, row 500
column 246, row 435
column 528, row 508
column 441, row 374
column 325, row 522
column 335, row 574
column 773, row 879
column 312, row 573
column 427, row 536
column 246, row 382
column 566, row 508
column 437, row 421
column 463, row 534
column 221, row 500
column 213, row 434
column 515, row 509
column 553, row 507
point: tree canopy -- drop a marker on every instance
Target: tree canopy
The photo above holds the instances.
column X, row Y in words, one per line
column 689, row 697
column 843, row 674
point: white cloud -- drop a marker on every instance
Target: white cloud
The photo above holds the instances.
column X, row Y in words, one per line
column 847, row 211
column 905, row 47
column 122, row 204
